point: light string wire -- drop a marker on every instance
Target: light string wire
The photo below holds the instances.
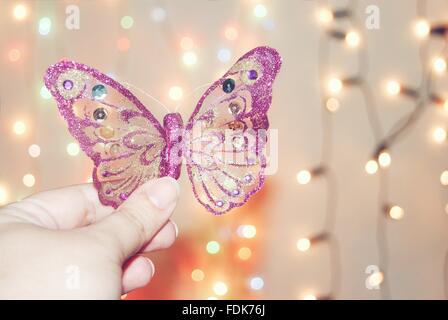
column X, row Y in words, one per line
column 422, row 96
column 376, row 128
column 425, row 97
column 331, row 182
column 327, row 145
column 359, row 79
column 398, row 130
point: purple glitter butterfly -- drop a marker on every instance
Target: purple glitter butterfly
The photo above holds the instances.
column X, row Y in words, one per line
column 223, row 142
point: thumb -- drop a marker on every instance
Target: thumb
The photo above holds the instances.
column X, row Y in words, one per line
column 138, row 219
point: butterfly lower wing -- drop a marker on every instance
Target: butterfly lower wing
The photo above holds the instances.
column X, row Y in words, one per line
column 113, row 128
column 227, row 133
column 226, row 179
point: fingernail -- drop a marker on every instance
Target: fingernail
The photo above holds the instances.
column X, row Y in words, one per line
column 153, row 267
column 176, row 228
column 164, row 192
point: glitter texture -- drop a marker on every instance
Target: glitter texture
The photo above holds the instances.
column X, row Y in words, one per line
column 254, row 96
column 129, row 146
column 173, row 125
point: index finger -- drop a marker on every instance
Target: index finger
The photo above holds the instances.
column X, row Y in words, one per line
column 63, row 208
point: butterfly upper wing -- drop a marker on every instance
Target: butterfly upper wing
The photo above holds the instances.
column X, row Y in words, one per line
column 112, row 126
column 228, row 132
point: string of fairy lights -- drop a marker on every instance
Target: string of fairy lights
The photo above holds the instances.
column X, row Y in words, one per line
column 381, row 157
column 330, row 105
column 423, row 96
column 242, row 244
column 428, row 32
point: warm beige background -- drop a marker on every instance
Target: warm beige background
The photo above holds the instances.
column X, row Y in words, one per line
column 417, row 243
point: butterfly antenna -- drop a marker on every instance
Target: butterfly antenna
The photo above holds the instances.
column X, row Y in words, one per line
column 192, row 93
column 148, row 95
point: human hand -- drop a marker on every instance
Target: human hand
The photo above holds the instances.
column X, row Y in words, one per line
column 64, row 244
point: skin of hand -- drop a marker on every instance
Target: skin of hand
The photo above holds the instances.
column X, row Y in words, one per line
column 64, row 244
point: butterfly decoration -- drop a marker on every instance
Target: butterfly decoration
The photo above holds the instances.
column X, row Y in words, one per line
column 223, row 143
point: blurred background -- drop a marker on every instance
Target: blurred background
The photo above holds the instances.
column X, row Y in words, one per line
column 358, row 207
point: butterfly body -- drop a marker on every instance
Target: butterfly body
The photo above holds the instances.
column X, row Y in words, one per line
column 174, row 127
column 223, row 143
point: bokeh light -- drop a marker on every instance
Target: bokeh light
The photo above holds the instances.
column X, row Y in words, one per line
column 213, row 247
column 34, row 151
column 334, row 85
column 303, row 177
column 14, row 55
column 29, row 180
column 231, row 33
column 422, row 28
column 393, row 87
column 439, row 135
column 256, row 283
column 186, row 43
column 20, row 12
column 445, row 106
column 352, row 39
column 19, row 128
column 332, row 104
column 189, row 58
column 220, row 288
column 384, row 159
column 3, row 195
column 303, row 244
column 260, row 11
column 371, row 167
column 127, row 22
column 324, row 16
column 247, row 231
column 224, row 55
column 123, row 44
column 44, row 26
column 439, row 65
column 244, row 253
column 444, row 178
column 73, row 149
column 44, row 93
column 175, row 93
column 396, row 212
column 197, row 275
column 158, row 14
column 375, row 279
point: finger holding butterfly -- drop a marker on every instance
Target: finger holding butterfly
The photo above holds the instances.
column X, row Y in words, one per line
column 66, row 232
column 81, row 208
